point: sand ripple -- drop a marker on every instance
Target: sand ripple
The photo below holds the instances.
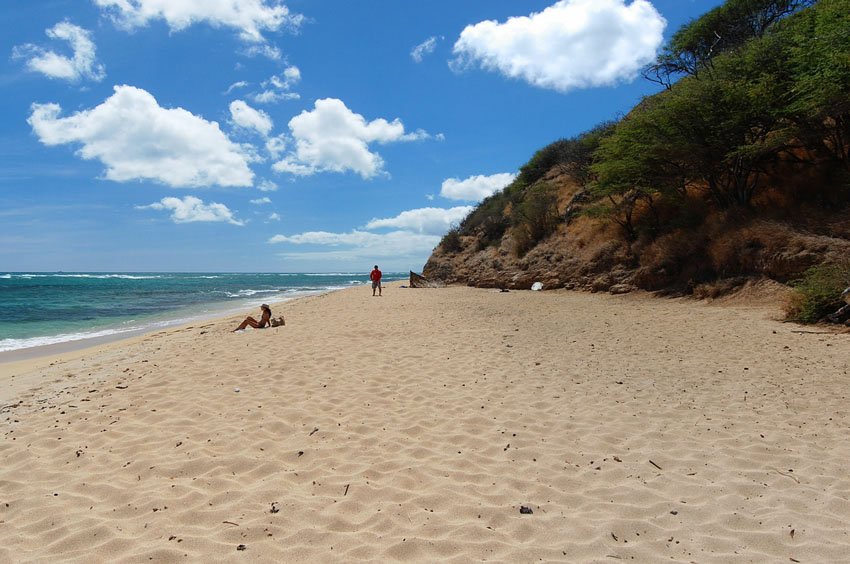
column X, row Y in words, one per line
column 414, row 427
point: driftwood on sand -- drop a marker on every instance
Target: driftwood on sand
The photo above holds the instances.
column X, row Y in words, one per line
column 419, row 281
column 842, row 315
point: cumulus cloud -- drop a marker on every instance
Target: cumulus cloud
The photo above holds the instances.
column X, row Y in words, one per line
column 274, row 217
column 571, row 44
column 249, row 17
column 261, row 201
column 266, row 186
column 475, row 188
column 247, row 117
column 360, row 246
column 82, row 64
column 136, row 139
column 415, row 234
column 278, row 88
column 425, row 48
column 191, row 209
column 276, row 146
column 332, row 138
column 428, row 221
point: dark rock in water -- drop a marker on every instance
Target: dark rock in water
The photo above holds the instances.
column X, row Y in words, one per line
column 525, row 510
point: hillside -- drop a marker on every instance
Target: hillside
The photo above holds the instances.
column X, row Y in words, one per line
column 738, row 169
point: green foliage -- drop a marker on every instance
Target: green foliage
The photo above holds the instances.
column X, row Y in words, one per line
column 723, row 129
column 488, row 221
column 451, row 242
column 818, row 292
column 725, row 28
column 573, row 156
column 817, row 45
column 536, row 217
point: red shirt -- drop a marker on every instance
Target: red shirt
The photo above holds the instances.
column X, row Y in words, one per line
column 375, row 276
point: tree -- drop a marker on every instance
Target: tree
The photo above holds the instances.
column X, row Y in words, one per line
column 818, row 46
column 536, row 216
column 723, row 29
column 722, row 130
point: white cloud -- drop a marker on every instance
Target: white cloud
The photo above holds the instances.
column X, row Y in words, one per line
column 425, row 48
column 428, row 221
column 475, row 188
column 266, row 186
column 332, row 138
column 247, row 117
column 250, row 17
column 417, row 233
column 571, row 44
column 360, row 246
column 269, row 51
column 273, row 97
column 191, row 209
column 279, row 88
column 82, row 64
column 136, row 139
column 291, row 75
column 276, row 146
column 274, row 217
column 261, row 201
column 236, row 85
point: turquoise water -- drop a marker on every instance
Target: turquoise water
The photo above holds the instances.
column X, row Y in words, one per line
column 45, row 308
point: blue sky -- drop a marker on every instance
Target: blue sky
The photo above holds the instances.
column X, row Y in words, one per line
column 305, row 136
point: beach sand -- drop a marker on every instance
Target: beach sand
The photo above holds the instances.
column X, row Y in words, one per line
column 416, row 425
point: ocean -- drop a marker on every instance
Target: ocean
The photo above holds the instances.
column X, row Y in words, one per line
column 39, row 308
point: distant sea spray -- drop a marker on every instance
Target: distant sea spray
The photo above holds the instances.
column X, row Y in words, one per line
column 42, row 308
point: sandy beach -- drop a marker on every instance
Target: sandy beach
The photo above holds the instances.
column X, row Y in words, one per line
column 451, row 424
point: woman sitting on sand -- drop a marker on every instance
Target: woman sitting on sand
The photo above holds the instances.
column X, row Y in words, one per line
column 265, row 319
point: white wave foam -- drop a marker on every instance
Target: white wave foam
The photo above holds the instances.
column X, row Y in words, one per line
column 90, row 276
column 15, row 344
column 247, row 293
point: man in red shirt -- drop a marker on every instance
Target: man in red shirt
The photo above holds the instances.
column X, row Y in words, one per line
column 375, row 277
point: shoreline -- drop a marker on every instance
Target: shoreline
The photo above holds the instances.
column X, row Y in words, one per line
column 419, row 425
column 78, row 344
column 99, row 307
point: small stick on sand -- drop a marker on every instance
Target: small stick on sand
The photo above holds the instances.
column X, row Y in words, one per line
column 345, row 493
column 230, row 523
column 656, row 465
column 787, row 475
column 10, row 406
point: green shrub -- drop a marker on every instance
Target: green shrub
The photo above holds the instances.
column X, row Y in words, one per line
column 818, row 292
column 536, row 217
column 451, row 242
